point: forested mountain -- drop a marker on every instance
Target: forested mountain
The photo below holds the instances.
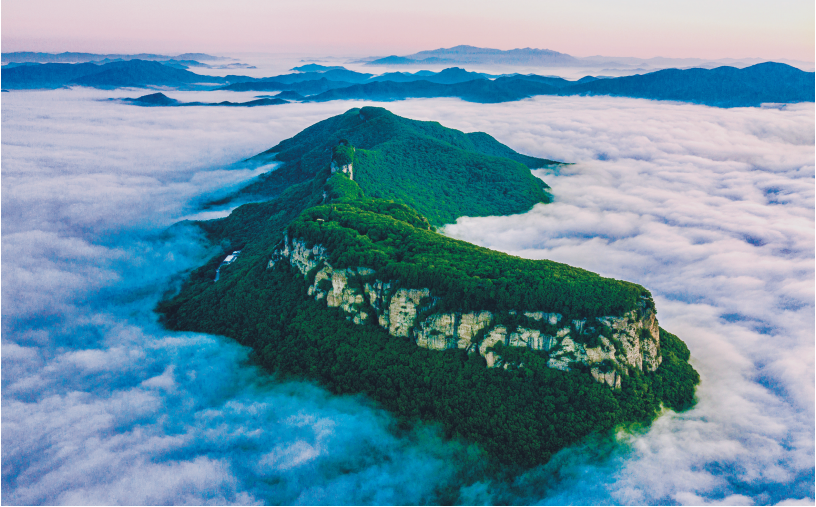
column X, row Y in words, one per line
column 342, row 278
column 720, row 87
column 162, row 100
column 464, row 54
column 73, row 57
column 131, row 73
column 441, row 172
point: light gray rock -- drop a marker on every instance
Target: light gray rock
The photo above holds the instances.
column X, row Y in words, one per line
column 640, row 338
column 437, row 332
column 402, row 310
column 606, row 351
column 528, row 338
column 396, row 311
column 469, row 326
column 494, row 336
column 347, row 169
column 610, row 378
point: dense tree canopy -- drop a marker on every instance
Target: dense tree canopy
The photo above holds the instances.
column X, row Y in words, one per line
column 519, row 416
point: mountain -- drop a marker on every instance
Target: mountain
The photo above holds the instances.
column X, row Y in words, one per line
column 28, row 56
column 340, row 74
column 162, row 100
column 482, row 176
column 314, row 67
column 154, row 99
column 330, row 282
column 720, row 87
column 290, row 95
column 546, row 58
column 141, row 73
column 49, row 75
column 474, row 55
column 136, row 73
column 447, row 76
column 478, row 90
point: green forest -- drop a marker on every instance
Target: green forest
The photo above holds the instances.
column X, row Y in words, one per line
column 519, row 416
column 442, row 173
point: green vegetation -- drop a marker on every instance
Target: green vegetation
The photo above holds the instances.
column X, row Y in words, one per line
column 440, row 172
column 520, row 416
column 343, row 153
column 396, row 241
column 675, row 385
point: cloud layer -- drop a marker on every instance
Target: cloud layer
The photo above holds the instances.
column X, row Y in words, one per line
column 710, row 209
column 103, row 406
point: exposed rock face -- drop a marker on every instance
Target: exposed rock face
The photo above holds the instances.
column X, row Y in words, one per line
column 402, row 310
column 640, row 338
column 347, row 169
column 409, row 313
column 469, row 326
column 437, row 332
column 610, row 378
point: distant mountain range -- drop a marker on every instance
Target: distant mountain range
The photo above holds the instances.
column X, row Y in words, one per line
column 162, row 100
column 32, row 57
column 129, row 73
column 473, row 55
column 720, row 87
column 530, row 57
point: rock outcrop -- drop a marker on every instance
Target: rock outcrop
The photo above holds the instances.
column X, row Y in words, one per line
column 347, row 169
column 610, row 346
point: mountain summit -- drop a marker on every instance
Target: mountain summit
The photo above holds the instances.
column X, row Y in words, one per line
column 343, row 280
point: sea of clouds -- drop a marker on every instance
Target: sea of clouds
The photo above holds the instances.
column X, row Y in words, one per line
column 710, row 209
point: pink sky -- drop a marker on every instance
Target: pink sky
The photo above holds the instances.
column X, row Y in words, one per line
column 692, row 28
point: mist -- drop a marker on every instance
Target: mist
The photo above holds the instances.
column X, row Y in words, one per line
column 710, row 209
column 103, row 406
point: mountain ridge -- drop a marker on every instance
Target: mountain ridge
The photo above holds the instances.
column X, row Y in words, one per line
column 719, row 87
column 325, row 282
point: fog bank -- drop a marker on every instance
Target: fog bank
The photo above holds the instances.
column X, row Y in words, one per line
column 710, row 209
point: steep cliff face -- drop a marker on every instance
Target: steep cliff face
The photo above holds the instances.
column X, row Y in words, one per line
column 347, row 169
column 343, row 159
column 610, row 346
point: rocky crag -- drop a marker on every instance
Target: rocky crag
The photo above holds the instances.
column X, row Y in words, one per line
column 609, row 346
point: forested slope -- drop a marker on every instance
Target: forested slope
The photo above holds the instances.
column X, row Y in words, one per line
column 441, row 172
column 519, row 415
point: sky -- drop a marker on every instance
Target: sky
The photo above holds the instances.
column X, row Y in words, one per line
column 780, row 29
column 711, row 209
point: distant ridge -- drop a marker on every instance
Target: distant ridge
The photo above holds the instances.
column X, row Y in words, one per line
column 131, row 73
column 470, row 54
column 71, row 57
column 720, row 87
column 530, row 57
column 162, row 100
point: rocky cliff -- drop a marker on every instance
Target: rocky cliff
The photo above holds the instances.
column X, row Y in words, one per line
column 609, row 346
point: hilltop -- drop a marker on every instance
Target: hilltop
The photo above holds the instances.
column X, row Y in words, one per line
column 443, row 173
column 342, row 278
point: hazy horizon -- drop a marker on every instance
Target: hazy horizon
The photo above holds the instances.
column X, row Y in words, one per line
column 634, row 28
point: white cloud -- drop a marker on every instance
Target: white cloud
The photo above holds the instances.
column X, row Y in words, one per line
column 710, row 209
column 101, row 405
